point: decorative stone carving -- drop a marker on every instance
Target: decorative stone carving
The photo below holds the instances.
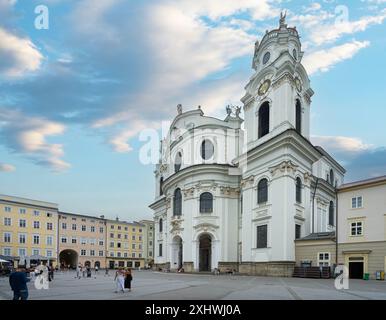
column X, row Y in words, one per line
column 189, row 192
column 168, row 203
column 284, row 167
column 287, row 77
column 307, row 177
column 247, row 182
column 322, row 202
column 205, row 227
column 163, row 168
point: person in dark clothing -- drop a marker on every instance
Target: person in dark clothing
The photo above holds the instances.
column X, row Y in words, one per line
column 128, row 279
column 18, row 282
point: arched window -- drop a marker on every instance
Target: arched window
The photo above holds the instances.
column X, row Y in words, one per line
column 264, row 120
column 332, row 178
column 177, row 208
column 207, row 149
column 178, row 162
column 206, row 203
column 161, row 182
column 298, row 190
column 161, row 225
column 331, row 214
column 262, row 191
column 298, row 117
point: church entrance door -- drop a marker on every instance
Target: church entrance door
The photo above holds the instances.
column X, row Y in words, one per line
column 205, row 253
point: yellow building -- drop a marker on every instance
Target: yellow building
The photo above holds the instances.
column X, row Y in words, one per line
column 148, row 242
column 28, row 230
column 125, row 244
column 82, row 240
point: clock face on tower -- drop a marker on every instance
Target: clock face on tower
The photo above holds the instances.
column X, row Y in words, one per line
column 298, row 84
column 264, row 87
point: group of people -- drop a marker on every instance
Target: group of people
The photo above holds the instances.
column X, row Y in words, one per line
column 123, row 278
column 85, row 271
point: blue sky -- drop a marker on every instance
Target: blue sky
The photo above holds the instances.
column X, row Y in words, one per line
column 73, row 98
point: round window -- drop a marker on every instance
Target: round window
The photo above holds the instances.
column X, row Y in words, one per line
column 266, row 57
column 207, row 149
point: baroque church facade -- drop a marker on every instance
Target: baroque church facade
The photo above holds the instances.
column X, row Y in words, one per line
column 233, row 197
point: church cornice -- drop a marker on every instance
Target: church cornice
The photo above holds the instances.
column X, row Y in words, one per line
column 194, row 170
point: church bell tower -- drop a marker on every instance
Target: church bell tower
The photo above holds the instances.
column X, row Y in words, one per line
column 278, row 95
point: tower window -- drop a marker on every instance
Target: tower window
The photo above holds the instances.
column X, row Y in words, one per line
column 178, row 162
column 298, row 190
column 264, row 120
column 160, row 225
column 207, row 149
column 177, row 208
column 332, row 178
column 262, row 191
column 161, row 181
column 295, row 54
column 206, row 203
column 331, row 214
column 298, row 117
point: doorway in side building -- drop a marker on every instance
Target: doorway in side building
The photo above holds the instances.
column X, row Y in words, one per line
column 356, row 267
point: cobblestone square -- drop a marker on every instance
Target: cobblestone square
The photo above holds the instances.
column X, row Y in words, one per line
column 149, row 285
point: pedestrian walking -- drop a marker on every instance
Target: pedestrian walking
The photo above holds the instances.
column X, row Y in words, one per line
column 119, row 281
column 96, row 270
column 88, row 270
column 107, row 271
column 128, row 279
column 78, row 271
column 18, row 282
column 84, row 272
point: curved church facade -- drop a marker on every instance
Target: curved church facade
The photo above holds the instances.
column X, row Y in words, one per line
column 237, row 193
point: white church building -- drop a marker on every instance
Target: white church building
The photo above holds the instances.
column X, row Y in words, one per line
column 233, row 197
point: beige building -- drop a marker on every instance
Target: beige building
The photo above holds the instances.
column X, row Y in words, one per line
column 316, row 250
column 362, row 226
column 81, row 240
column 28, row 230
column 125, row 243
column 148, row 242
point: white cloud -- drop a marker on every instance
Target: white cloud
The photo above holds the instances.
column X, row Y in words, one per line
column 216, row 9
column 327, row 33
column 17, row 55
column 28, row 135
column 324, row 60
column 4, row 167
column 313, row 7
column 340, row 144
column 184, row 51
